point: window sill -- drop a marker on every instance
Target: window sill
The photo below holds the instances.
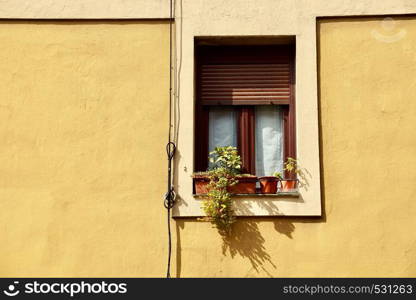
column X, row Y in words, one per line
column 278, row 195
column 280, row 204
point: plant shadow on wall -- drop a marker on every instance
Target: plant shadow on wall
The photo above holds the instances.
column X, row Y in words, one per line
column 248, row 242
column 245, row 241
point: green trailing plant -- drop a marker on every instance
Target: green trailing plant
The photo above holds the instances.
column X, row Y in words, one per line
column 225, row 165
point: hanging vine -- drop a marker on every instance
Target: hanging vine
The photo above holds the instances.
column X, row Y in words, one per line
column 225, row 164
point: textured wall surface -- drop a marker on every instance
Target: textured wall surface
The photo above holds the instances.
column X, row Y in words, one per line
column 83, row 110
column 84, row 113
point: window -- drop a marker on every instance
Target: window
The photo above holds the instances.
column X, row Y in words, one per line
column 245, row 98
column 229, row 95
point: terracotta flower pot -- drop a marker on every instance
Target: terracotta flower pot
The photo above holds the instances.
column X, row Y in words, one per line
column 201, row 184
column 245, row 185
column 288, row 185
column 268, row 184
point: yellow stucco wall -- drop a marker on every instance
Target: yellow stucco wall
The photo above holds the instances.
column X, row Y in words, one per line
column 84, row 114
column 83, row 125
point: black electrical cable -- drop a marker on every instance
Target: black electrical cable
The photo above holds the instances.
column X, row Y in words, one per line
column 170, row 149
column 169, row 199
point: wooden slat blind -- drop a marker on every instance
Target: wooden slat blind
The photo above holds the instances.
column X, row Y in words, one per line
column 249, row 79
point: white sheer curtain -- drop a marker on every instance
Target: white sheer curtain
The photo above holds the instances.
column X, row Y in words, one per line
column 222, row 127
column 269, row 140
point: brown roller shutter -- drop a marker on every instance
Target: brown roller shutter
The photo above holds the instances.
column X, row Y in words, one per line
column 244, row 76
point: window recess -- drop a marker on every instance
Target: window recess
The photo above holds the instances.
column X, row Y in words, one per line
column 245, row 98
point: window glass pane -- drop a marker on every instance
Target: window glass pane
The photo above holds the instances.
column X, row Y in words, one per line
column 222, row 127
column 269, row 140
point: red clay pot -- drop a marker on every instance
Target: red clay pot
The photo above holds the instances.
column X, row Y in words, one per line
column 245, row 185
column 201, row 184
column 288, row 185
column 268, row 184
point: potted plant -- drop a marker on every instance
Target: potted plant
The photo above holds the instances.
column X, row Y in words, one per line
column 268, row 184
column 225, row 159
column 288, row 185
column 292, row 167
column 201, row 182
column 246, row 184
